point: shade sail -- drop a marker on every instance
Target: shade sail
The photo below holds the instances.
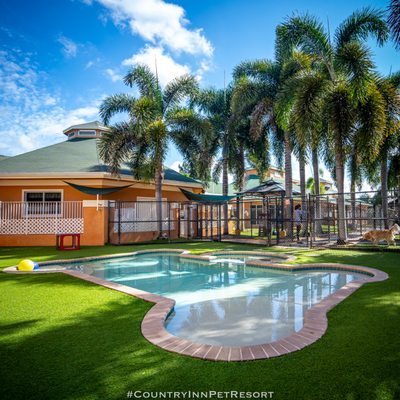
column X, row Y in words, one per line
column 206, row 198
column 268, row 188
column 96, row 191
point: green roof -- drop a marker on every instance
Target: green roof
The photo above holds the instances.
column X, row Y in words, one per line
column 251, row 182
column 88, row 125
column 71, row 156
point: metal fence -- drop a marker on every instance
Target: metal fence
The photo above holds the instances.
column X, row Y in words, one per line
column 272, row 220
column 313, row 220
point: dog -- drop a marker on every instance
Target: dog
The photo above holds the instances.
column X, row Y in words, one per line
column 387, row 235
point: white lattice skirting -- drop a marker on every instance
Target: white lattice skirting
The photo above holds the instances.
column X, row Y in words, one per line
column 41, row 226
column 132, row 227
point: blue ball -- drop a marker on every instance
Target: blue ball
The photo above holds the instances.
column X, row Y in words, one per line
column 35, row 265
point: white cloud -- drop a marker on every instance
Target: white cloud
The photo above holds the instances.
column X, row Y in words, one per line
column 32, row 116
column 160, row 23
column 69, row 47
column 113, row 75
column 89, row 64
column 167, row 67
column 175, row 165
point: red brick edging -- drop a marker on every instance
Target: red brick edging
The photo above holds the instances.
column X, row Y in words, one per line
column 153, row 328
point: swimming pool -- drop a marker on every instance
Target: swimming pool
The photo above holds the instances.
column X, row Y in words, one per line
column 224, row 301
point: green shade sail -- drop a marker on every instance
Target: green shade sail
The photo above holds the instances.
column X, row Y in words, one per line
column 206, row 198
column 96, row 191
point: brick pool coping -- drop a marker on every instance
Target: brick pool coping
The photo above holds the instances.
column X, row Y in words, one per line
column 153, row 328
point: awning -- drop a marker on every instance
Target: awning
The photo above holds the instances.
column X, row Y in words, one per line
column 268, row 188
column 206, row 198
column 96, row 191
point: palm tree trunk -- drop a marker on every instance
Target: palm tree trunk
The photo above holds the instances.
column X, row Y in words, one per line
column 339, row 166
column 288, row 186
column 225, row 185
column 288, row 167
column 239, row 210
column 304, row 205
column 353, row 202
column 302, row 172
column 317, row 191
column 158, row 194
column 384, row 191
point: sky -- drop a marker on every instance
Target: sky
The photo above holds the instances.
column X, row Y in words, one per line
column 60, row 58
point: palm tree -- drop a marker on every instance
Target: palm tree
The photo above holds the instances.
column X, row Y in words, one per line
column 228, row 139
column 394, row 21
column 256, row 91
column 340, row 90
column 389, row 89
column 154, row 118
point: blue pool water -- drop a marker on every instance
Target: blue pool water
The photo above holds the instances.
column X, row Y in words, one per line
column 225, row 301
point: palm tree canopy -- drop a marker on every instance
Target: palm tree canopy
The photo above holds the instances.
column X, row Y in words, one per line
column 394, row 21
column 154, row 118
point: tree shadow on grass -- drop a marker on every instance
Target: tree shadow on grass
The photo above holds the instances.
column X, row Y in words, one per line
column 97, row 354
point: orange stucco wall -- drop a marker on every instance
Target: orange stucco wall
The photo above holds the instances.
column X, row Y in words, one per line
column 95, row 221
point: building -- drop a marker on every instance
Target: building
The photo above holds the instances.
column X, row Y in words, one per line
column 65, row 188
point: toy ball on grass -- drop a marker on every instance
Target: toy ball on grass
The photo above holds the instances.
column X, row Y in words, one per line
column 26, row 265
column 35, row 265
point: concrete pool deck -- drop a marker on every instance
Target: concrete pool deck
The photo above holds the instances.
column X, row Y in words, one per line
column 153, row 325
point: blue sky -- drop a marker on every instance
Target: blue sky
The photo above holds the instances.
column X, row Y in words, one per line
column 59, row 59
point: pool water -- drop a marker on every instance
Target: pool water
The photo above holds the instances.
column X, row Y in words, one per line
column 224, row 302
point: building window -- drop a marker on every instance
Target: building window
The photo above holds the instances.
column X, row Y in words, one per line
column 42, row 203
column 71, row 134
column 255, row 212
column 86, row 133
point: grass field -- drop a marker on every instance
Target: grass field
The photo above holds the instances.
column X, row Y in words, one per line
column 63, row 338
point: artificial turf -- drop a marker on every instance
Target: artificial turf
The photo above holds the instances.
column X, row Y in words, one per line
column 64, row 338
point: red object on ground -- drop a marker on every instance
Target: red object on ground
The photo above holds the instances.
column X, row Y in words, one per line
column 76, row 241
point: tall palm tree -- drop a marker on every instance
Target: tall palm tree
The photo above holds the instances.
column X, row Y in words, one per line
column 394, row 21
column 227, row 146
column 154, row 118
column 340, row 90
column 389, row 89
column 256, row 91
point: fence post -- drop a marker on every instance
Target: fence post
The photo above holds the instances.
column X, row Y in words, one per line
column 329, row 219
column 119, row 222
column 310, row 211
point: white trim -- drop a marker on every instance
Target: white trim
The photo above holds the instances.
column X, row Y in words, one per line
column 85, row 132
column 42, row 191
column 91, row 175
column 142, row 198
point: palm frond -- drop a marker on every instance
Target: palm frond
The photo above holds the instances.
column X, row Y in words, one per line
column 361, row 24
column 144, row 111
column 178, row 89
column 246, row 94
column 116, row 146
column 371, row 130
column 304, row 32
column 115, row 104
column 141, row 76
column 306, row 112
column 217, row 170
column 260, row 116
column 355, row 61
column 394, row 21
column 261, row 70
column 339, row 109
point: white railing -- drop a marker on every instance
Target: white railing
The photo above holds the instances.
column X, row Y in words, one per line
column 40, row 218
column 141, row 216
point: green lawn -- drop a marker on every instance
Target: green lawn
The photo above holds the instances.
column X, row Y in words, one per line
column 63, row 338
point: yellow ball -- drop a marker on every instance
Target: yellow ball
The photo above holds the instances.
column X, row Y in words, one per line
column 26, row 265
